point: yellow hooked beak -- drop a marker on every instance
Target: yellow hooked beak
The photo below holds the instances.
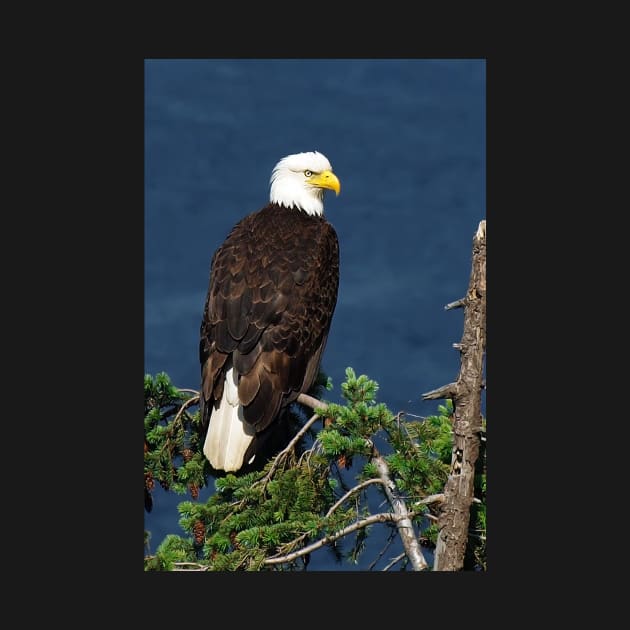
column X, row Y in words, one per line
column 326, row 179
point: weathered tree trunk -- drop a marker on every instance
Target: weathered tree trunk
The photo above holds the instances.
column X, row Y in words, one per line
column 466, row 395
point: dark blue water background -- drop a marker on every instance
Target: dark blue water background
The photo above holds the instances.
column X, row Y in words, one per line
column 407, row 140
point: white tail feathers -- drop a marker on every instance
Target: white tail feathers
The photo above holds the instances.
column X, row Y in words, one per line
column 228, row 435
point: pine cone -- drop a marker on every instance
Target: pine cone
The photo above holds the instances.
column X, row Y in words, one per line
column 194, row 490
column 344, row 462
column 199, row 532
column 149, row 482
column 187, row 454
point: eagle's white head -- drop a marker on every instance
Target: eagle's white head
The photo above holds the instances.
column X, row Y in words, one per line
column 298, row 181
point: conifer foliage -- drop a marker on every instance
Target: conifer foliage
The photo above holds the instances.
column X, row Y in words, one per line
column 311, row 495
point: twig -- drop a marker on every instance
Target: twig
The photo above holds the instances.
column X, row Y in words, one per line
column 388, row 543
column 432, row 498
column 283, row 453
column 394, row 561
column 200, row 567
column 479, row 536
column 311, row 402
column 457, row 304
column 351, row 492
column 412, row 440
column 186, row 403
column 173, row 426
column 382, row 517
column 188, row 391
column 300, row 433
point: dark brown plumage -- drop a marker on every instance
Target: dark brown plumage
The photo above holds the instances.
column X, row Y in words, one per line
column 271, row 297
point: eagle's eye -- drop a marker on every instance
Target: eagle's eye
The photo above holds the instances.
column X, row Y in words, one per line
column 308, row 173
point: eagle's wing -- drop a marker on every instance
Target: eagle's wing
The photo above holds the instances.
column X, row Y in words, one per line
column 271, row 297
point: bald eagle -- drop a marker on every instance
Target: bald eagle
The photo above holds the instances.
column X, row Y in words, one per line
column 270, row 302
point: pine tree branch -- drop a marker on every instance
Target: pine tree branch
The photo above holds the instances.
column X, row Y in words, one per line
column 382, row 517
column 172, row 429
column 169, row 411
column 284, row 452
column 404, row 524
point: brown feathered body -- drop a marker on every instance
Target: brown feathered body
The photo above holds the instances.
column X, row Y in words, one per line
column 271, row 298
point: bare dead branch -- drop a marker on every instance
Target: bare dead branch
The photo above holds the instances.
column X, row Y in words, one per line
column 446, row 391
column 432, row 498
column 457, row 304
column 467, row 423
